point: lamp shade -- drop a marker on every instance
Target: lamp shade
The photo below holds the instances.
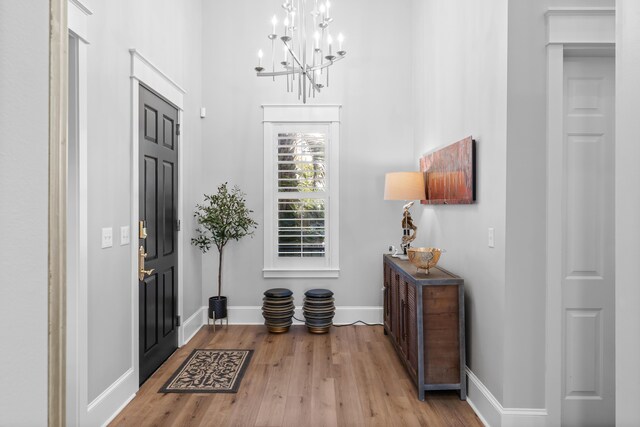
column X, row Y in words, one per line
column 404, row 186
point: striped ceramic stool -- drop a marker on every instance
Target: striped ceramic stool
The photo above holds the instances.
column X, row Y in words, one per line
column 277, row 309
column 318, row 310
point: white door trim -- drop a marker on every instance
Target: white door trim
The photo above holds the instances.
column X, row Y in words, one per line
column 77, row 295
column 567, row 29
column 144, row 71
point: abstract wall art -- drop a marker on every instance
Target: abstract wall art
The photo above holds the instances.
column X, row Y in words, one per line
column 450, row 174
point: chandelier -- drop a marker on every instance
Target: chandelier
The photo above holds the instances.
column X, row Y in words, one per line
column 303, row 65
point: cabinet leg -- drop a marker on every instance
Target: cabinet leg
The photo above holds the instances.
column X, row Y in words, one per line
column 385, row 332
column 463, row 392
column 421, row 395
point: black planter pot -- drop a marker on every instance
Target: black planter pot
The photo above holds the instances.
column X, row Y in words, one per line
column 217, row 307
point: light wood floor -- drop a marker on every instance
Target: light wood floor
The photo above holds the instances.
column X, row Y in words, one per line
column 350, row 377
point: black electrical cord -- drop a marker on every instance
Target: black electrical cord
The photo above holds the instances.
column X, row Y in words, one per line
column 359, row 321
column 349, row 324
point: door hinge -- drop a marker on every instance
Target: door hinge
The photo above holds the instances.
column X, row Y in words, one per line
column 178, row 322
column 178, row 225
column 178, row 129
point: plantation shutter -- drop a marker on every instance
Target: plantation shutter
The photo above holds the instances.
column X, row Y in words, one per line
column 302, row 194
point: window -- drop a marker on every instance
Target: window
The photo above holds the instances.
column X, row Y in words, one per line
column 301, row 191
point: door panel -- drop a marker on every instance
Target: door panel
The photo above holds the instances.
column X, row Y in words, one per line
column 149, row 213
column 588, row 395
column 158, row 209
column 169, row 208
column 169, row 297
column 150, row 290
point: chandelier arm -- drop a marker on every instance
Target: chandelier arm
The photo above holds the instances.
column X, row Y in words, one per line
column 326, row 64
column 298, row 70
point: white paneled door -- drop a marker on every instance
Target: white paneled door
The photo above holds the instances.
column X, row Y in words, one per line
column 588, row 389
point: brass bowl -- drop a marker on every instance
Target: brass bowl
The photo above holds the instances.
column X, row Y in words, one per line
column 424, row 258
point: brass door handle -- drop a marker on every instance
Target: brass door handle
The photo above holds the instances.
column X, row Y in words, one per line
column 141, row 271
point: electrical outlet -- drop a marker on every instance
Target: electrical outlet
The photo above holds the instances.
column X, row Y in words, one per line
column 124, row 235
column 492, row 238
column 107, row 237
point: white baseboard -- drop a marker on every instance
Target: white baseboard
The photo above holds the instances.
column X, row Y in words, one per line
column 111, row 401
column 252, row 315
column 115, row 414
column 493, row 414
column 192, row 325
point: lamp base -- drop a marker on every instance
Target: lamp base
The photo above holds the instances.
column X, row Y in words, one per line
column 407, row 228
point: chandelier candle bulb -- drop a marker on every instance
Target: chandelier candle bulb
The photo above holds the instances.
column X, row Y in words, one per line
column 286, row 25
column 260, row 54
column 274, row 22
column 340, row 40
column 328, row 6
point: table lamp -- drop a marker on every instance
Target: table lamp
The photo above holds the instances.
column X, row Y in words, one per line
column 407, row 186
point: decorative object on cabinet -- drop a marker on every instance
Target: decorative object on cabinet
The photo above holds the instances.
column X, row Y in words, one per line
column 424, row 319
column 407, row 186
column 222, row 217
column 450, row 174
column 424, row 258
column 277, row 310
column 318, row 310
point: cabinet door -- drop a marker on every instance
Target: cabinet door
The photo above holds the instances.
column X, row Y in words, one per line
column 402, row 338
column 412, row 329
column 387, row 296
column 394, row 306
column 441, row 335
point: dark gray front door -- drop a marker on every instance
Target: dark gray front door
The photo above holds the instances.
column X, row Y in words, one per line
column 158, row 291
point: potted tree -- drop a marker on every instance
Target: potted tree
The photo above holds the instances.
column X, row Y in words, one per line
column 222, row 217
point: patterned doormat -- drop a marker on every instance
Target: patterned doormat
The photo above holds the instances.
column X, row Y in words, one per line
column 209, row 371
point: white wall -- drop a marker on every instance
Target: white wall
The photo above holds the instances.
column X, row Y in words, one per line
column 24, row 70
column 374, row 86
column 524, row 326
column 172, row 41
column 627, row 208
column 460, row 89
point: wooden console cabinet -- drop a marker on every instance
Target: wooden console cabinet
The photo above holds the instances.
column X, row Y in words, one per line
column 424, row 319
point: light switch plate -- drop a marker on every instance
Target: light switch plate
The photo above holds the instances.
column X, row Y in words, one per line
column 124, row 235
column 492, row 238
column 107, row 237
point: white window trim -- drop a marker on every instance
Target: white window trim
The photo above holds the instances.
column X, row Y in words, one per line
column 274, row 115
